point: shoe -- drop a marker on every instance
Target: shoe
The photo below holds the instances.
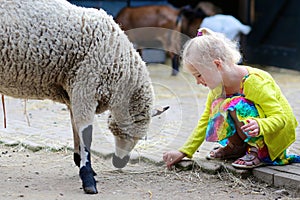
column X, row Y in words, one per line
column 250, row 160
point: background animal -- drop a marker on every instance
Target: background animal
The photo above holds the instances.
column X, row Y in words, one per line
column 79, row 57
column 168, row 25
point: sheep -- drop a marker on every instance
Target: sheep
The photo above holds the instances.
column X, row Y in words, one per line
column 79, row 57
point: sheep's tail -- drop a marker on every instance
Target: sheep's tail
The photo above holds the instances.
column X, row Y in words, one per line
column 4, row 112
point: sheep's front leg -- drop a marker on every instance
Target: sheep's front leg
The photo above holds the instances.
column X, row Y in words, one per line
column 123, row 147
column 83, row 108
column 76, row 139
column 86, row 172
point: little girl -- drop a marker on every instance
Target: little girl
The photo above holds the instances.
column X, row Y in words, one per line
column 245, row 110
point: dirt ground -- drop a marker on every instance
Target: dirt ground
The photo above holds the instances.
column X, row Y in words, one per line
column 52, row 175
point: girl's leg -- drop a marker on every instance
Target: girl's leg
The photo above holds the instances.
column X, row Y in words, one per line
column 250, row 159
column 236, row 146
column 238, row 124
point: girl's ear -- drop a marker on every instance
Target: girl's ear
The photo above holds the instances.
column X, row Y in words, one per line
column 218, row 63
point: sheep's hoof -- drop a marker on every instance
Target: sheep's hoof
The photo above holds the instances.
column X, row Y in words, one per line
column 118, row 162
column 88, row 181
column 90, row 190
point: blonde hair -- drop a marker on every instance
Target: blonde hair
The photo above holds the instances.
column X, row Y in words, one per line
column 203, row 50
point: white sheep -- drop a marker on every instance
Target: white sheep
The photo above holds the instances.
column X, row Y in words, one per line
column 79, row 57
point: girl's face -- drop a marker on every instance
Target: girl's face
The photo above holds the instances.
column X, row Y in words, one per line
column 207, row 76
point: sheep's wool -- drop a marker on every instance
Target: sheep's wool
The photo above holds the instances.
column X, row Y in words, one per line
column 51, row 49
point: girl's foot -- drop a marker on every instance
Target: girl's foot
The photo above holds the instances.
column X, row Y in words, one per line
column 230, row 151
column 248, row 161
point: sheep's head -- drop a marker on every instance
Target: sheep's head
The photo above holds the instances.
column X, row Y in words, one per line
column 129, row 122
column 125, row 142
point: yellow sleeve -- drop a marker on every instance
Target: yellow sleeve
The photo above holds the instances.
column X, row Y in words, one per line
column 266, row 96
column 198, row 135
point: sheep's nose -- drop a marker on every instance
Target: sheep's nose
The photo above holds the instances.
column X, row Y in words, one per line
column 120, row 162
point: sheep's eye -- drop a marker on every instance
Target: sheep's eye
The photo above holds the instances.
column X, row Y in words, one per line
column 139, row 118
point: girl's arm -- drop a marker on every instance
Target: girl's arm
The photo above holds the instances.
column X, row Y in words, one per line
column 198, row 135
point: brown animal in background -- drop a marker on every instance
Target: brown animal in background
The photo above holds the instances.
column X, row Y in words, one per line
column 168, row 25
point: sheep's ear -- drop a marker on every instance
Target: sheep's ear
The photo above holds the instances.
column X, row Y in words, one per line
column 158, row 111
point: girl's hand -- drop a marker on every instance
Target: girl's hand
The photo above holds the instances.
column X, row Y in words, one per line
column 252, row 128
column 172, row 157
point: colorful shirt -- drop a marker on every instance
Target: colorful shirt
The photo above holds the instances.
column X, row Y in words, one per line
column 276, row 120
